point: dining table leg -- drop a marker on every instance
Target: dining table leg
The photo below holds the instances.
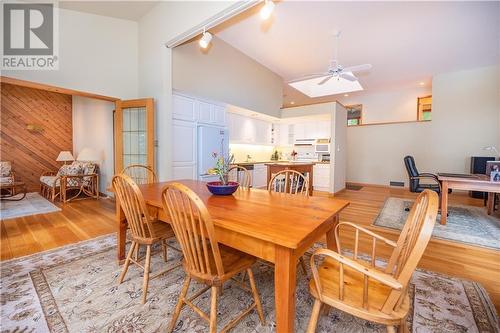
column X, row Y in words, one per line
column 490, row 206
column 121, row 231
column 285, row 275
column 444, row 202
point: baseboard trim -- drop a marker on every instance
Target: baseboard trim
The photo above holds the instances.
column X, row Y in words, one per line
column 375, row 185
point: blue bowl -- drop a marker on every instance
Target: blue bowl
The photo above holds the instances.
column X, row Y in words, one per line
column 217, row 188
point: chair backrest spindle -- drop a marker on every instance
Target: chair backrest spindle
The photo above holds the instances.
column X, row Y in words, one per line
column 289, row 181
column 134, row 207
column 194, row 230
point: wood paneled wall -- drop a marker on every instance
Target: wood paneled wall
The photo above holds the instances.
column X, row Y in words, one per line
column 32, row 152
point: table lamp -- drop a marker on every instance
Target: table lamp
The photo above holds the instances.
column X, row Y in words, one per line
column 88, row 155
column 65, row 156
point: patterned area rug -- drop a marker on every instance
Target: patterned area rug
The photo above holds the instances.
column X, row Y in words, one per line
column 74, row 289
column 32, row 204
column 465, row 224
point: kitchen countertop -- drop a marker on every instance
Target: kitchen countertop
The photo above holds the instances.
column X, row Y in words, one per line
column 278, row 162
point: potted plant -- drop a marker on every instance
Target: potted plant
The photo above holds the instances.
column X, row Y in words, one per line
column 221, row 169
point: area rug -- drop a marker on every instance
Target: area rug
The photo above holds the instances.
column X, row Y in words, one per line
column 32, row 204
column 465, row 224
column 74, row 289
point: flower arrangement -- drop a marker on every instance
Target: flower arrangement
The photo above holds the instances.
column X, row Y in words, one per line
column 222, row 164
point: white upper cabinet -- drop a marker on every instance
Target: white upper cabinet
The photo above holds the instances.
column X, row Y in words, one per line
column 197, row 110
column 219, row 115
column 205, row 111
column 184, row 108
column 244, row 129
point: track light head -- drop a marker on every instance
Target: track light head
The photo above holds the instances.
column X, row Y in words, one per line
column 267, row 9
column 205, row 39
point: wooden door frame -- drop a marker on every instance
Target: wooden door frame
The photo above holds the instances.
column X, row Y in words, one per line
column 148, row 103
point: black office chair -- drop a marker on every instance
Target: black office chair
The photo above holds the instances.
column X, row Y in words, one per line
column 414, row 178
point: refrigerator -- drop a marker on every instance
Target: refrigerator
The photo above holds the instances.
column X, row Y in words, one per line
column 210, row 139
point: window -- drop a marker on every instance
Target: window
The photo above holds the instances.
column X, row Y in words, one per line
column 424, row 108
column 354, row 114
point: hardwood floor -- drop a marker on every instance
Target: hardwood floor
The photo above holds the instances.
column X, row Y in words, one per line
column 86, row 219
column 78, row 220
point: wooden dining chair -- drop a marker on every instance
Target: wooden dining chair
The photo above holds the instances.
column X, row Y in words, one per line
column 292, row 182
column 246, row 179
column 205, row 260
column 144, row 229
column 289, row 181
column 140, row 174
column 362, row 289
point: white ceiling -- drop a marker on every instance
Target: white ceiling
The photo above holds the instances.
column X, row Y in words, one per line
column 406, row 42
column 128, row 10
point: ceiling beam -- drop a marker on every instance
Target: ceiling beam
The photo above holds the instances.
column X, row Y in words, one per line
column 230, row 12
column 43, row 86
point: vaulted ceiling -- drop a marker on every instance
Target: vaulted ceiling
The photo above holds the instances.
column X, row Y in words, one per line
column 406, row 42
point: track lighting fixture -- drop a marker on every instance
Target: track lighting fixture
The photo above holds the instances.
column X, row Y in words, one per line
column 205, row 39
column 267, row 9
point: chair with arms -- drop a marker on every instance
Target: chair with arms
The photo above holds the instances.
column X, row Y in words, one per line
column 144, row 229
column 414, row 178
column 205, row 260
column 357, row 286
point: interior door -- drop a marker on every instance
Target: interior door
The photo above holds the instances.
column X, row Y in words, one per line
column 134, row 133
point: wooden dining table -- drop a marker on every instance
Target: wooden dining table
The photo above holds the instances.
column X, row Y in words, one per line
column 474, row 182
column 275, row 227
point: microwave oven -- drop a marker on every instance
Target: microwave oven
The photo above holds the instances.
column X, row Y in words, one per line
column 322, row 146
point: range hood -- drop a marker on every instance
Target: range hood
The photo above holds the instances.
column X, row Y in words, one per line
column 304, row 142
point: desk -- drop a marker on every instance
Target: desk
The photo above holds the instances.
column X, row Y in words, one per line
column 276, row 227
column 477, row 183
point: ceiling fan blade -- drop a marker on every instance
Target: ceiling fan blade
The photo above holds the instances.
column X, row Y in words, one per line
column 348, row 77
column 358, row 68
column 308, row 77
column 325, row 80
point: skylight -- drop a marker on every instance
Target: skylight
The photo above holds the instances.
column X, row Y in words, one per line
column 333, row 86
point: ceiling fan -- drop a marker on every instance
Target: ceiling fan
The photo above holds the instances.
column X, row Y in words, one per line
column 335, row 70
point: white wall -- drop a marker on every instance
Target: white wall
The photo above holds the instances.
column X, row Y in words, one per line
column 97, row 54
column 223, row 73
column 93, row 128
column 339, row 148
column 466, row 111
column 388, row 106
column 165, row 21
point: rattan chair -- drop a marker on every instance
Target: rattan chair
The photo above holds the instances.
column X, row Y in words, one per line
column 289, row 181
column 357, row 286
column 144, row 229
column 205, row 260
column 246, row 179
column 140, row 174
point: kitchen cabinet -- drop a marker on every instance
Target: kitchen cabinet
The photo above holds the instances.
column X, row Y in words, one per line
column 286, row 136
column 259, row 177
column 184, row 108
column 197, row 110
column 248, row 130
column 184, row 152
column 321, row 180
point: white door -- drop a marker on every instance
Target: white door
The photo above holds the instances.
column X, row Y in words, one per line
column 184, row 154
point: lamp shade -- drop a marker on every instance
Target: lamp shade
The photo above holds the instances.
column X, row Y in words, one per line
column 65, row 156
column 88, row 155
